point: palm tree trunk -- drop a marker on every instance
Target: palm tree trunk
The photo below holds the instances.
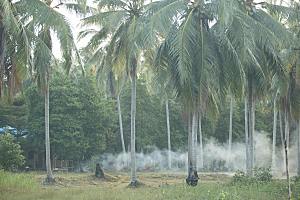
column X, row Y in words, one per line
column 247, row 136
column 133, row 181
column 298, row 144
column 287, row 170
column 251, row 127
column 286, row 147
column 169, row 135
column 281, row 136
column 192, row 160
column 194, row 141
column 253, row 133
column 121, row 124
column 201, row 161
column 2, row 56
column 286, row 128
column 49, row 178
column 190, row 164
column 230, row 132
column 274, row 136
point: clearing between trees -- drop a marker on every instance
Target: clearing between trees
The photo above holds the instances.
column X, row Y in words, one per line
column 84, row 186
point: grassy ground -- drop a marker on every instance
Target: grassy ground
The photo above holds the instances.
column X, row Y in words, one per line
column 156, row 187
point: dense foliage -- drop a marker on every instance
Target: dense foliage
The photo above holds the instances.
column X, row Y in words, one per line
column 11, row 154
column 84, row 120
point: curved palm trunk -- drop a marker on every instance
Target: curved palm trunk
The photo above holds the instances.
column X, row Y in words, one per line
column 169, row 135
column 2, row 55
column 121, row 124
column 230, row 132
column 47, row 138
column 274, row 136
column 133, row 181
column 201, row 161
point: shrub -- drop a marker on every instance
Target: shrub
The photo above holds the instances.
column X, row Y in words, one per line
column 240, row 177
column 11, row 157
column 263, row 174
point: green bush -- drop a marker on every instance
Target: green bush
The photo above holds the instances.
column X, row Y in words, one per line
column 11, row 157
column 240, row 177
column 263, row 174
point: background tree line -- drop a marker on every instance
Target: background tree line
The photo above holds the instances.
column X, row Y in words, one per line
column 85, row 122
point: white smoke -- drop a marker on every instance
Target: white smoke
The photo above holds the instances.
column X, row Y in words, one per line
column 216, row 158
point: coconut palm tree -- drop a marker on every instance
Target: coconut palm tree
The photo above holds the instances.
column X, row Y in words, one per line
column 41, row 19
column 259, row 52
column 121, row 26
column 191, row 53
column 289, row 88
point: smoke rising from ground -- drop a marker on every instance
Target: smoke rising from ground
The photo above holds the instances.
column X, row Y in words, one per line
column 216, row 157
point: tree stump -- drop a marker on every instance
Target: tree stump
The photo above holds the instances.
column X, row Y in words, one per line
column 99, row 173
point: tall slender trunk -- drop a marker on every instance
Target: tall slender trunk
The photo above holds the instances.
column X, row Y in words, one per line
column 251, row 127
column 274, row 136
column 192, row 160
column 169, row 135
column 190, row 140
column 201, row 161
column 121, row 124
column 2, row 56
column 286, row 128
column 281, row 136
column 230, row 132
column 298, row 144
column 247, row 136
column 286, row 147
column 133, row 180
column 287, row 170
column 194, row 140
column 252, row 144
column 47, row 137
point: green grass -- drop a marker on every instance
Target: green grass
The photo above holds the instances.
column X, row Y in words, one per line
column 157, row 187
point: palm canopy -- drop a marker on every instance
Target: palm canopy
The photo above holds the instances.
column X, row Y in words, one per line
column 239, row 38
column 14, row 51
column 289, row 89
column 118, row 37
column 42, row 21
column 192, row 51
